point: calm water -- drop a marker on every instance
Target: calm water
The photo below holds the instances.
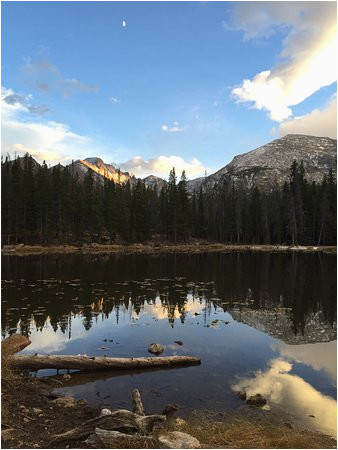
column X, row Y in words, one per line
column 280, row 340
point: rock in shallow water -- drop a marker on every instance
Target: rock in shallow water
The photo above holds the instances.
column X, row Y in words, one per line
column 156, row 349
column 256, row 400
column 242, row 395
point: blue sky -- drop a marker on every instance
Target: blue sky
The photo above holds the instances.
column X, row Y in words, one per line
column 189, row 84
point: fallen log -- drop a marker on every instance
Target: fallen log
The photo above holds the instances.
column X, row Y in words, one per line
column 37, row 362
column 14, row 343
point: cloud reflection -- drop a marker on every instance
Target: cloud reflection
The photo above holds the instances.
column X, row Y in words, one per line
column 294, row 394
column 320, row 356
column 48, row 340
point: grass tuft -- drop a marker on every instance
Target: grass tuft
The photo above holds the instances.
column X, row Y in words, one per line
column 244, row 433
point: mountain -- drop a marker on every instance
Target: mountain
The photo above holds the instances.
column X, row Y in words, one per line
column 103, row 170
column 265, row 166
column 270, row 164
column 153, row 181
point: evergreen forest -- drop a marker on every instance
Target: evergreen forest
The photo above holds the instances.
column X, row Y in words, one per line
column 42, row 205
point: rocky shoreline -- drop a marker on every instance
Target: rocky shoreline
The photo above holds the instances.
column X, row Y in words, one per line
column 32, row 415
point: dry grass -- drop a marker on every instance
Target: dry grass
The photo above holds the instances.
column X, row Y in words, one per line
column 243, row 433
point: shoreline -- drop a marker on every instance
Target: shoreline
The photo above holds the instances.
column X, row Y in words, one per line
column 32, row 414
column 153, row 248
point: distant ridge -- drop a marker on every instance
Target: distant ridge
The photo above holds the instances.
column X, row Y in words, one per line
column 265, row 166
column 103, row 170
column 270, row 164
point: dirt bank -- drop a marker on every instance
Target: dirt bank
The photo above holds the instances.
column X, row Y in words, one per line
column 153, row 248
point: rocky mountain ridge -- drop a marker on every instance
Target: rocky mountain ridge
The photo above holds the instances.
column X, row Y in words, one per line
column 264, row 166
column 270, row 164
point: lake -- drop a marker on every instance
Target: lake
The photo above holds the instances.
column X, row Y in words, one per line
column 263, row 322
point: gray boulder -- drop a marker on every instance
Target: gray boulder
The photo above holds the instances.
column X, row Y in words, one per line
column 177, row 439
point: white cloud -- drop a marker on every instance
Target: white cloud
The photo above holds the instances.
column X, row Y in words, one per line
column 72, row 85
column 114, row 100
column 316, row 123
column 13, row 102
column 48, row 140
column 308, row 59
column 172, row 129
column 161, row 166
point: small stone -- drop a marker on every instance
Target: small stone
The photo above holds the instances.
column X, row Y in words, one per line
column 170, row 409
column 25, row 419
column 180, row 422
column 156, row 392
column 242, row 395
column 105, row 412
column 256, row 400
column 156, row 349
column 178, row 440
column 37, row 411
column 66, row 402
column 66, row 376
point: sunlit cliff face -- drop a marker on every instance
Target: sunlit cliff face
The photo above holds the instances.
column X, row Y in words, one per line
column 279, row 386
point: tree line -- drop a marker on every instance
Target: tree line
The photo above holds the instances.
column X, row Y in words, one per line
column 53, row 205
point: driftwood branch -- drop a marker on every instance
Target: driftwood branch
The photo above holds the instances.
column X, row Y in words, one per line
column 14, row 344
column 137, row 402
column 122, row 420
column 115, row 439
column 38, row 362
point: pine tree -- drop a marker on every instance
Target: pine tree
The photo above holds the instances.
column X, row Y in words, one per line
column 172, row 207
column 183, row 210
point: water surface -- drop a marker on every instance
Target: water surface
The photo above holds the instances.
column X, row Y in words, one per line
column 262, row 322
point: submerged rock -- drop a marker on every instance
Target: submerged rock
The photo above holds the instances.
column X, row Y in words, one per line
column 256, row 400
column 178, row 342
column 156, row 349
column 242, row 395
column 177, row 439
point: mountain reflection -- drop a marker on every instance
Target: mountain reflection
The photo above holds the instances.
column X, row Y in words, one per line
column 55, row 290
